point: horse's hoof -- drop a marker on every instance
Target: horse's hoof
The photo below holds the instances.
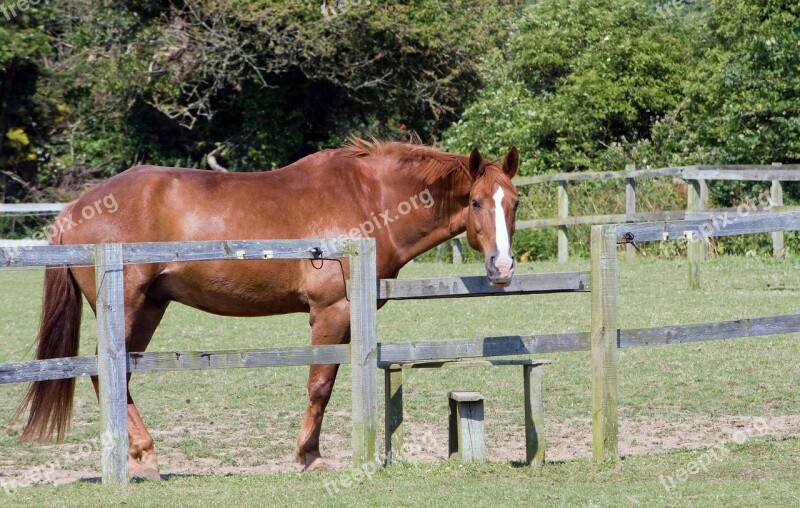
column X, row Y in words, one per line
column 148, row 473
column 144, row 472
column 317, row 464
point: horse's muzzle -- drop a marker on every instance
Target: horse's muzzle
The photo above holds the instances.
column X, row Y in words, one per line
column 500, row 270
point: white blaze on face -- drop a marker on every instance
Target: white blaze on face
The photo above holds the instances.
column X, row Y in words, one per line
column 503, row 261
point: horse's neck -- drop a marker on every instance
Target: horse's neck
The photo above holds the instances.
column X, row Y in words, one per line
column 428, row 226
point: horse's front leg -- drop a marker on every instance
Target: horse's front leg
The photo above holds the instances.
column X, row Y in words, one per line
column 329, row 325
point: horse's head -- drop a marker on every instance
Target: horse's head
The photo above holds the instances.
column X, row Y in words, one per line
column 491, row 213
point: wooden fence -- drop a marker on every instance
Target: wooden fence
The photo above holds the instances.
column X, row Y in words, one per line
column 605, row 338
column 365, row 355
column 112, row 363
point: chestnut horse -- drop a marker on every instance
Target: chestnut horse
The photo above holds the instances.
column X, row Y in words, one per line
column 413, row 197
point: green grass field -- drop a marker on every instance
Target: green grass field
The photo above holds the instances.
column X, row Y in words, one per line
column 724, row 414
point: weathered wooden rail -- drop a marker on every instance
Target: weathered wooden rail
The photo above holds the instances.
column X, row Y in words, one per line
column 31, row 208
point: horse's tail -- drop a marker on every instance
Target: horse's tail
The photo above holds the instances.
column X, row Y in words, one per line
column 59, row 333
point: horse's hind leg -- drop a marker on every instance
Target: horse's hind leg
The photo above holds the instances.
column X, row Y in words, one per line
column 142, row 316
column 330, row 325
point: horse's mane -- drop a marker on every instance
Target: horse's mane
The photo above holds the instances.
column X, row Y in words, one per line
column 432, row 164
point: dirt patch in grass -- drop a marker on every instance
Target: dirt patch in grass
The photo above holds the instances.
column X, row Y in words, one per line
column 566, row 440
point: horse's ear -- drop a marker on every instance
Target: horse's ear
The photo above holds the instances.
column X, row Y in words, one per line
column 511, row 162
column 475, row 163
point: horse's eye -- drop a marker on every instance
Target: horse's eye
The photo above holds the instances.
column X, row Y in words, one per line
column 476, row 204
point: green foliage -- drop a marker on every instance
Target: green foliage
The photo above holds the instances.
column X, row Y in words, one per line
column 579, row 86
column 22, row 47
column 162, row 82
column 742, row 100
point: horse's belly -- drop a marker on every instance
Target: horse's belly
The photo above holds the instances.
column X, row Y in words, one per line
column 233, row 288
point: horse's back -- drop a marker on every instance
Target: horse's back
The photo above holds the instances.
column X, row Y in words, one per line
column 153, row 203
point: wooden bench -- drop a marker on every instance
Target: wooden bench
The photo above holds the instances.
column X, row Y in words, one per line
column 532, row 384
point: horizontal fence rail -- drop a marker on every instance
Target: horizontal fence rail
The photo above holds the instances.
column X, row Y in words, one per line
column 401, row 353
column 721, row 225
column 744, row 172
column 389, row 354
column 454, row 287
column 63, row 368
column 721, row 330
column 175, row 252
column 15, row 244
column 32, row 208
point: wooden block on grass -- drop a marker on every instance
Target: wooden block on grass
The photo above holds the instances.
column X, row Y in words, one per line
column 466, row 426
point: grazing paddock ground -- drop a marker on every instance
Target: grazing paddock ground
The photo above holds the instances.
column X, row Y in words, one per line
column 218, row 432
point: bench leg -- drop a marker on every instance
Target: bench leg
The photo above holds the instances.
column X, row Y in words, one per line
column 534, row 415
column 393, row 388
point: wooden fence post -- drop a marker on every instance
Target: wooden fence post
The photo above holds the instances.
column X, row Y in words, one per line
column 697, row 201
column 563, row 212
column 364, row 351
column 458, row 251
column 776, row 199
column 696, row 248
column 630, row 206
column 112, row 363
column 604, row 342
column 694, row 254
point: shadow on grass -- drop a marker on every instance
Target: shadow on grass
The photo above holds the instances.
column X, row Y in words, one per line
column 164, row 477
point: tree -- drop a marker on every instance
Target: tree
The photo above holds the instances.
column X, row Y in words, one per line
column 163, row 82
column 743, row 99
column 21, row 105
column 580, row 85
